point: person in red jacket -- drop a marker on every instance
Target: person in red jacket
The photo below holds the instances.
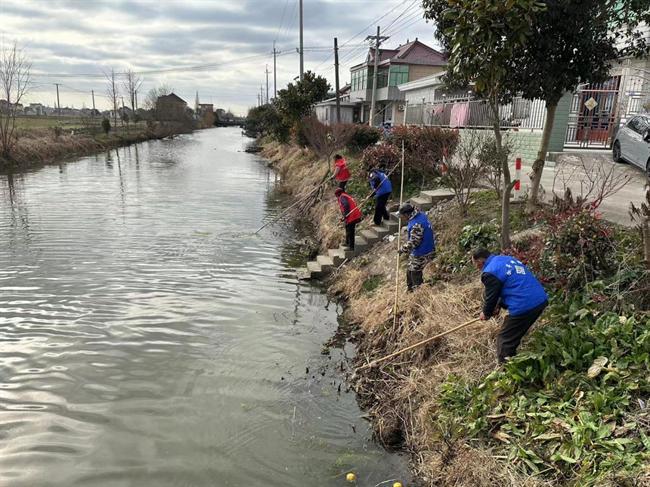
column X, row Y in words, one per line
column 341, row 171
column 350, row 214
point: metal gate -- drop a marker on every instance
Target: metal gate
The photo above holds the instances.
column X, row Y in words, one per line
column 593, row 118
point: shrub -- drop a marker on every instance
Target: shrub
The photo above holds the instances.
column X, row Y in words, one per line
column 106, row 125
column 578, row 249
column 484, row 235
column 363, row 136
column 58, row 131
column 380, row 156
column 425, row 149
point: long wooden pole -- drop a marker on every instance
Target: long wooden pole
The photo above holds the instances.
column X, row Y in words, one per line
column 399, row 236
column 416, row 345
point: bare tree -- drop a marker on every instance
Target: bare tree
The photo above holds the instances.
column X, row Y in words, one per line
column 591, row 182
column 113, row 93
column 325, row 140
column 132, row 83
column 465, row 168
column 14, row 83
column 154, row 93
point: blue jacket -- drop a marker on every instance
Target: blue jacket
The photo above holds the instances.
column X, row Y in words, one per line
column 520, row 290
column 428, row 243
column 380, row 183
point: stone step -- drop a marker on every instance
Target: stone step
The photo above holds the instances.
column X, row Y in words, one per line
column 423, row 202
column 348, row 253
column 326, row 264
column 394, row 217
column 370, row 236
column 314, row 269
column 360, row 244
column 391, row 225
column 338, row 256
column 304, row 274
column 381, row 231
column 438, row 195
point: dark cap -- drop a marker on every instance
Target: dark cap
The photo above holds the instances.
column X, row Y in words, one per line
column 338, row 191
column 406, row 209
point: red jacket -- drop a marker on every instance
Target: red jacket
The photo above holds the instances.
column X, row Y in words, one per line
column 344, row 172
column 349, row 208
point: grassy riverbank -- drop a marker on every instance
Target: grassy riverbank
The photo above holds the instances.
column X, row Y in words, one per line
column 570, row 409
column 38, row 146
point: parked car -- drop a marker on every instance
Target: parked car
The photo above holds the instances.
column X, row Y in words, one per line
column 632, row 143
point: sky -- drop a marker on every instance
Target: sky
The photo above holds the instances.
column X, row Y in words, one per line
column 220, row 48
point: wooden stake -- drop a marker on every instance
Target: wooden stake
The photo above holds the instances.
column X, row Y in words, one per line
column 416, row 345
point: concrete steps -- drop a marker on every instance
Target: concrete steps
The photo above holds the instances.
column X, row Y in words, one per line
column 366, row 238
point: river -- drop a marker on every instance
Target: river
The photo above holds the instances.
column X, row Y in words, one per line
column 148, row 339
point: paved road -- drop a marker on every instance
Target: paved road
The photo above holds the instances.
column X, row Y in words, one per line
column 578, row 170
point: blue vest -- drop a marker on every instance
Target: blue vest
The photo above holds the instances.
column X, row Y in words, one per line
column 521, row 291
column 385, row 186
column 428, row 243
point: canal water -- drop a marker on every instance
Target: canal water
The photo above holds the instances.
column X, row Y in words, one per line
column 148, row 339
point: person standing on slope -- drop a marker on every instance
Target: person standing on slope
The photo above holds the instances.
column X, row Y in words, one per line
column 341, row 171
column 382, row 189
column 350, row 215
column 421, row 243
column 509, row 284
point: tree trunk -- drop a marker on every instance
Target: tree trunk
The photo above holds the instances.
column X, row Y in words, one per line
column 507, row 182
column 538, row 165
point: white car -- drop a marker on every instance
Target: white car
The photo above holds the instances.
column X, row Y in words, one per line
column 632, row 143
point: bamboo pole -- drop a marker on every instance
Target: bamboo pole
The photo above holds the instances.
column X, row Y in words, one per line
column 416, row 345
column 399, row 235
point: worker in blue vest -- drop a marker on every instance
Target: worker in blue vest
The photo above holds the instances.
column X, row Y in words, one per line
column 421, row 243
column 382, row 188
column 509, row 284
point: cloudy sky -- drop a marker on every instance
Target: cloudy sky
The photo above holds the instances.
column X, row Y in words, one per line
column 219, row 48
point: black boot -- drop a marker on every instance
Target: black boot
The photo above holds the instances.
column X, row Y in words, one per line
column 416, row 278
column 409, row 280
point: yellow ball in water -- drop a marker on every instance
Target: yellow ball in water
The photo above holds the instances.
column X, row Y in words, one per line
column 397, row 484
column 351, row 477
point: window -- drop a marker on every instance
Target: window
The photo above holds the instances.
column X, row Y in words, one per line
column 638, row 125
column 382, row 78
column 358, row 80
column 398, row 74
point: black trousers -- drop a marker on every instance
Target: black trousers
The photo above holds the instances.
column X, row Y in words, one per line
column 413, row 279
column 513, row 330
column 349, row 234
column 380, row 209
column 342, row 184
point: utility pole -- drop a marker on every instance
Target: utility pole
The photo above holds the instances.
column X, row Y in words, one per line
column 58, row 103
column 302, row 59
column 261, row 95
column 92, row 92
column 275, row 74
column 336, row 77
column 378, row 40
column 266, row 71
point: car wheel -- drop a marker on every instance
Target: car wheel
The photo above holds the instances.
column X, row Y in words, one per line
column 616, row 152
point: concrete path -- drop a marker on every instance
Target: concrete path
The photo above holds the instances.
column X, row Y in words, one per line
column 571, row 169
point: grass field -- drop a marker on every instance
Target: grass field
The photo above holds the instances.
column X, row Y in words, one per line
column 38, row 122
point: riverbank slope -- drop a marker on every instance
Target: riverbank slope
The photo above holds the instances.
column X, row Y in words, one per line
column 544, row 418
column 39, row 146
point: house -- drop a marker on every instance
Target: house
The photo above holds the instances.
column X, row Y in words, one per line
column 325, row 111
column 170, row 108
column 406, row 63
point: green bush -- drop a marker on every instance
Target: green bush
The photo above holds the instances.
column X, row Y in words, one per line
column 482, row 235
column 380, row 156
column 363, row 136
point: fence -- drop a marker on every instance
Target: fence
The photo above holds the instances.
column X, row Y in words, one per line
column 520, row 113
